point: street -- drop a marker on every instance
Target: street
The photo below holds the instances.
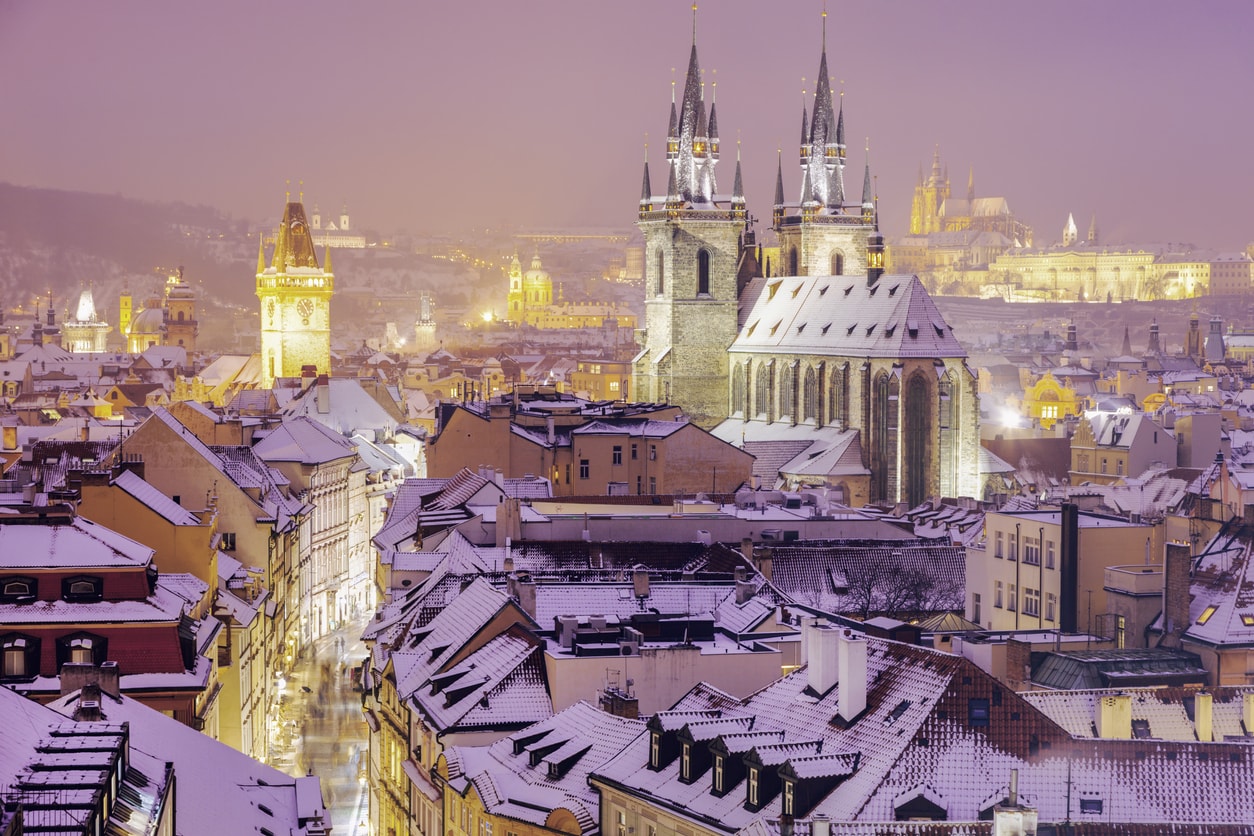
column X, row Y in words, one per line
column 322, row 727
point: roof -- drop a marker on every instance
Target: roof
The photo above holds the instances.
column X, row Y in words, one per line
column 843, row 315
column 305, row 441
column 79, row 543
column 159, row 503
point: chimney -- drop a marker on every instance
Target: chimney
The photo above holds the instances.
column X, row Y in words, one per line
column 1069, row 566
column 744, row 592
column 1114, row 717
column 77, row 676
column 640, row 582
column 822, row 666
column 851, row 662
column 1013, row 818
column 746, row 548
column 1203, row 704
column 820, row 825
column 323, row 394
column 525, row 590
column 1177, row 562
column 8, row 435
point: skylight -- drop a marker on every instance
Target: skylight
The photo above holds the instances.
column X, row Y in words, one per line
column 1206, row 614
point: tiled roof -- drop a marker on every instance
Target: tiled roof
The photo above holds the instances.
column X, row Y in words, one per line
column 1167, row 713
column 842, row 315
column 158, row 502
column 77, row 544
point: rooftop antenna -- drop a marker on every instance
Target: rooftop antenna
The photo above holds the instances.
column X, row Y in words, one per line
column 694, row 24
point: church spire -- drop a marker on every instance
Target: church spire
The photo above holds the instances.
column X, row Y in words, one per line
column 261, row 252
column 646, row 188
column 868, row 200
column 971, row 189
column 738, row 189
column 778, row 213
column 1126, row 350
column 326, row 259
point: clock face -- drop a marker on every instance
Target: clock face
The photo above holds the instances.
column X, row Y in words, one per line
column 305, row 308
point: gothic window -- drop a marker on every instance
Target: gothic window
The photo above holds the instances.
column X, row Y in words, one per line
column 883, row 403
column 738, row 390
column 838, row 264
column 660, row 273
column 918, row 415
column 838, row 397
column 787, row 391
column 761, row 390
column 810, row 397
column 792, row 261
column 703, row 273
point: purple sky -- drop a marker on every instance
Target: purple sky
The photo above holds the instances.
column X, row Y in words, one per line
column 434, row 116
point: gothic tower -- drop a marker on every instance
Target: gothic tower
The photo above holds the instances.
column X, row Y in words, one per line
column 295, row 296
column 692, row 249
column 823, row 234
column 930, row 195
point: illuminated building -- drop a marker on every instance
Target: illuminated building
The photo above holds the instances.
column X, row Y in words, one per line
column 530, row 302
column 295, row 296
column 424, row 328
column 85, row 332
column 823, row 339
column 335, row 234
column 166, row 320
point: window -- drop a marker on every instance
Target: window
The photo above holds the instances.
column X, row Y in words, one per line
column 703, row 273
column 652, row 452
column 568, row 474
column 14, row 589
column 1103, row 465
column 622, row 823
column 1014, row 547
column 1031, row 601
column 81, row 649
column 1012, row 599
column 753, row 770
column 583, row 468
column 652, row 486
column 718, row 773
column 685, row 762
column 1121, row 631
column 655, row 751
column 838, row 264
column 975, row 607
column 999, row 547
column 82, row 588
column 1092, row 806
column 227, row 543
column 660, row 273
column 617, row 454
column 1051, row 606
column 789, row 798
column 1119, row 467
column 19, row 656
column 997, row 594
column 977, row 711
column 1049, row 554
column 1031, row 551
column 792, row 261
column 1206, row 614
column 635, row 451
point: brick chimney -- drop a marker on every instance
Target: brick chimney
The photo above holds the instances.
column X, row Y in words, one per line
column 1177, row 565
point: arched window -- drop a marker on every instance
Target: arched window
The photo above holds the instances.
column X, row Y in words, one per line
column 883, row 434
column 659, row 273
column 918, row 424
column 761, row 390
column 792, row 261
column 703, row 273
column 810, row 397
column 838, row 263
column 787, row 391
column 738, row 390
column 838, row 397
column 180, row 316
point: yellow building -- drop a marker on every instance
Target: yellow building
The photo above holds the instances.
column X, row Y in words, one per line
column 602, row 380
column 530, row 302
column 166, row 320
column 1045, row 570
column 295, row 296
column 1048, row 401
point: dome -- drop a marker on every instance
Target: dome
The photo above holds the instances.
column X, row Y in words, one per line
column 180, row 291
column 148, row 321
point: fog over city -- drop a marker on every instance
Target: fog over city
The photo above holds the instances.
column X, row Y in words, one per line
column 443, row 116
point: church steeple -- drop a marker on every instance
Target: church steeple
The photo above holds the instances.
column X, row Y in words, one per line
column 261, row 253
column 777, row 217
column 646, row 191
column 868, row 200
column 738, row 190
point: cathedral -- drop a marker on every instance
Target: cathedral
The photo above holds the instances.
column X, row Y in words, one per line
column 833, row 373
column 295, row 297
column 166, row 320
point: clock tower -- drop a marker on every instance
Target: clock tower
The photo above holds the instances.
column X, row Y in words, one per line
column 295, row 296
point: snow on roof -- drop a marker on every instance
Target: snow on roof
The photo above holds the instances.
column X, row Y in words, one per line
column 303, row 440
column 80, row 543
column 158, row 502
column 217, row 789
column 843, row 315
column 350, row 408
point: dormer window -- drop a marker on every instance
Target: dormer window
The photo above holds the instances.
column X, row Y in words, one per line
column 753, row 786
column 82, row 589
column 685, row 762
column 655, row 750
column 718, row 773
column 17, row 589
column 789, row 798
column 81, row 649
column 19, row 657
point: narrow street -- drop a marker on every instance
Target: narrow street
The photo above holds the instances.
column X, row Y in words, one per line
column 325, row 732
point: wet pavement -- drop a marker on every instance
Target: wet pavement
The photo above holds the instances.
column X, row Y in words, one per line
column 321, row 727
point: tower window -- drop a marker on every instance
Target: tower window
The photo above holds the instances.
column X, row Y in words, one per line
column 838, row 264
column 792, row 261
column 703, row 273
column 660, row 273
